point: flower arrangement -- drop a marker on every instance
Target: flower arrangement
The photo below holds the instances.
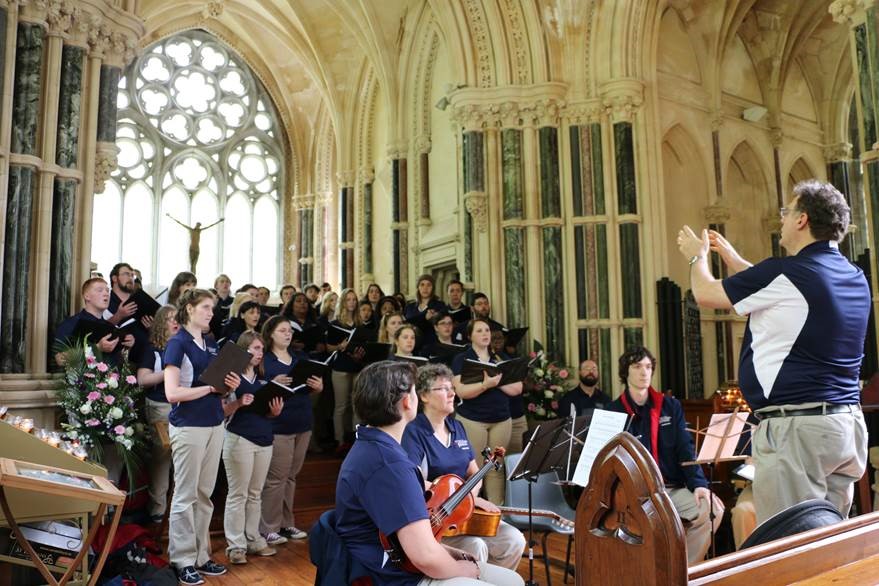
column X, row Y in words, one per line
column 100, row 400
column 544, row 386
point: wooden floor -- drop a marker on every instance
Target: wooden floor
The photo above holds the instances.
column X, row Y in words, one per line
column 292, row 566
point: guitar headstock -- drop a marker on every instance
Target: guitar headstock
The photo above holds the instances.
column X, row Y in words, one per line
column 495, row 457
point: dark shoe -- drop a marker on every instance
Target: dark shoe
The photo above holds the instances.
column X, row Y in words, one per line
column 293, row 533
column 212, row 568
column 189, row 576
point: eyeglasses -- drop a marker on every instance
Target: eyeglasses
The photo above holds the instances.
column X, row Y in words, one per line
column 785, row 211
column 445, row 389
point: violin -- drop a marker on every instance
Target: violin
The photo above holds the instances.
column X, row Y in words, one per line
column 449, row 505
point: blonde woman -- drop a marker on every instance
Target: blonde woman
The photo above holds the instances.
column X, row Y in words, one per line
column 345, row 368
column 389, row 325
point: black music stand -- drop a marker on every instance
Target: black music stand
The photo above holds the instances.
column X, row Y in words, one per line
column 550, row 448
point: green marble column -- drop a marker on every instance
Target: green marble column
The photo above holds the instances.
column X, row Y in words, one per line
column 107, row 103
column 401, row 216
column 550, row 192
column 4, row 15
column 630, row 270
column 624, row 147
column 16, row 254
column 367, row 228
column 20, row 198
column 514, row 271
column 593, row 295
column 553, row 289
column 306, row 245
column 64, row 198
column 587, row 164
column 627, row 203
column 513, row 174
column 473, row 169
column 346, row 236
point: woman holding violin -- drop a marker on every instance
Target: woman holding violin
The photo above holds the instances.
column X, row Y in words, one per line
column 380, row 491
column 438, row 445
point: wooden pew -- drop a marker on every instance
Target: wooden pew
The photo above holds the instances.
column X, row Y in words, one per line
column 629, row 533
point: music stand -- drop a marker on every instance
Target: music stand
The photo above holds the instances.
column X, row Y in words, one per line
column 548, row 449
column 721, row 437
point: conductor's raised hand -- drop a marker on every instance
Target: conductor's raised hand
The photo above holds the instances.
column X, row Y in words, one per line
column 692, row 245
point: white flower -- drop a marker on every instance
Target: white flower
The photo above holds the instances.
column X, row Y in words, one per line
column 538, row 372
column 73, row 435
column 89, row 353
column 540, row 411
column 86, row 408
column 548, row 394
column 116, row 413
column 112, row 383
column 129, row 431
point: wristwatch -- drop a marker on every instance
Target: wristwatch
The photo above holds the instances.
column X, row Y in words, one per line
column 693, row 259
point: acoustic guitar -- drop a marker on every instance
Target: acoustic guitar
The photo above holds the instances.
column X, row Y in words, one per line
column 484, row 524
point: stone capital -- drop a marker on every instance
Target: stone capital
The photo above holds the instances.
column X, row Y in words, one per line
column 476, row 204
column 849, row 11
column 60, row 16
column 422, row 144
column 303, row 201
column 841, row 151
column 776, row 136
column 366, row 175
column 622, row 98
column 398, row 150
column 716, row 214
column 346, row 178
column 105, row 163
column 583, row 112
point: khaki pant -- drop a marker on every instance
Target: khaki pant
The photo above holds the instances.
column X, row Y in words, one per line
column 489, row 435
column 807, row 457
column 288, row 455
column 344, row 418
column 196, row 453
column 697, row 518
column 488, row 574
column 160, row 460
column 246, row 467
column 504, row 549
column 519, row 427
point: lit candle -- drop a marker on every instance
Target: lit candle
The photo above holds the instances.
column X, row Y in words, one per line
column 16, row 420
column 3, row 411
column 27, row 425
column 54, row 439
column 80, row 453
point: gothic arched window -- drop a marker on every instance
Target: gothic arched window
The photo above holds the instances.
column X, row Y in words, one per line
column 198, row 140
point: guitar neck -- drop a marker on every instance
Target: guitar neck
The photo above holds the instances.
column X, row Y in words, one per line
column 537, row 513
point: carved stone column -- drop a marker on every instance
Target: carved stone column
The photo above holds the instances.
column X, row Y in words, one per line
column 346, row 227
column 400, row 217
column 365, row 179
column 303, row 206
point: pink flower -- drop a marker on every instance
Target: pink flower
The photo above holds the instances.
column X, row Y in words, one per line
column 88, row 374
column 114, row 375
column 131, row 379
column 90, row 359
column 102, row 367
column 119, row 430
column 109, row 399
column 532, row 407
column 92, row 422
column 101, row 385
column 532, row 355
column 93, row 396
column 554, row 405
column 563, row 373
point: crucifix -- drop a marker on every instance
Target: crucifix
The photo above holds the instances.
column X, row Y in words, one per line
column 194, row 239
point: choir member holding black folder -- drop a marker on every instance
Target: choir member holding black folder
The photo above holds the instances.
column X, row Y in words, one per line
column 196, row 432
column 292, row 429
column 485, row 409
column 404, row 346
column 457, row 309
column 90, row 324
column 307, row 334
column 426, row 304
column 443, row 349
column 347, row 364
column 247, row 452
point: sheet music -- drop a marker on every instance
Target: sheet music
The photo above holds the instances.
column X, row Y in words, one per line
column 604, row 426
column 714, row 436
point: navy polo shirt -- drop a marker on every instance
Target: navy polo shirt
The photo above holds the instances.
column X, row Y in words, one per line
column 379, row 489
column 489, row 407
column 152, row 359
column 296, row 416
column 344, row 362
column 65, row 330
column 807, row 319
column 183, row 352
column 675, row 442
column 249, row 425
column 582, row 402
column 432, row 456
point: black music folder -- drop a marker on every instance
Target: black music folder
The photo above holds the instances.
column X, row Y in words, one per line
column 460, row 315
column 513, row 336
column 372, row 351
column 232, row 358
column 514, row 370
column 268, row 392
column 305, row 369
column 96, row 329
column 310, row 337
column 146, row 305
column 445, row 353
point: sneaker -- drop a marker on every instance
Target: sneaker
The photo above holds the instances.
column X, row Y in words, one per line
column 212, row 568
column 275, row 539
column 189, row 576
column 265, row 552
column 237, row 556
column 293, row 533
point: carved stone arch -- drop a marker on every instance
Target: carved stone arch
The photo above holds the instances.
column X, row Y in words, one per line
column 686, row 174
column 800, row 170
column 670, row 18
column 749, row 191
column 625, row 39
column 840, row 103
column 468, row 38
column 365, row 119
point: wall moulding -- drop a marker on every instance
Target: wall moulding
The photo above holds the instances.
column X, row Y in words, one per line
column 508, row 106
column 837, row 152
column 583, row 112
column 302, row 202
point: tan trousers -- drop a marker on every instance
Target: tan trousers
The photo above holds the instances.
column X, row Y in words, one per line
column 490, row 435
column 519, row 427
column 504, row 549
column 344, row 418
column 807, row 457
column 160, row 460
column 246, row 467
column 488, row 574
column 288, row 455
column 196, row 453
column 698, row 521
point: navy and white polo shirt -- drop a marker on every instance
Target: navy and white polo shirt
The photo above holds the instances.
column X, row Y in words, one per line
column 248, row 424
column 805, row 335
column 379, row 489
column 184, row 352
column 296, row 417
column 432, row 456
